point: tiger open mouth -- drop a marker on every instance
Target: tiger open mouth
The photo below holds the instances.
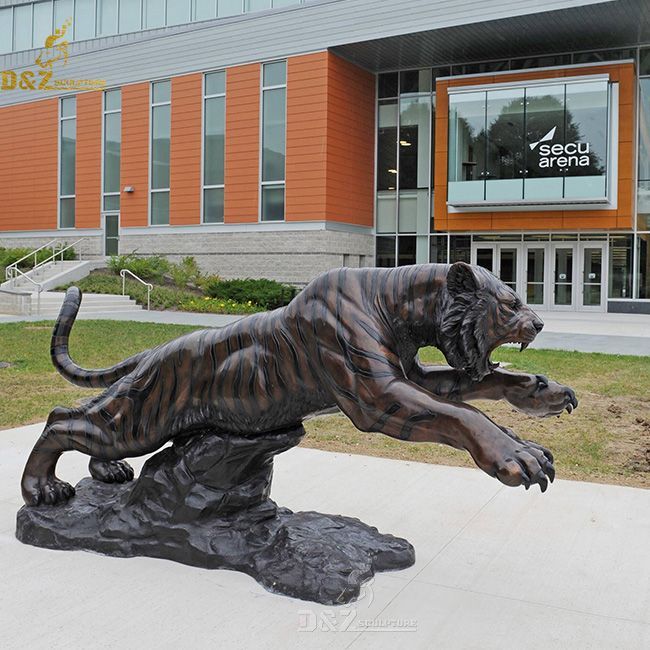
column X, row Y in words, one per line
column 489, row 366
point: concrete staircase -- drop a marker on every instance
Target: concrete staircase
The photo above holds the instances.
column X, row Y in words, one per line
column 52, row 275
column 92, row 303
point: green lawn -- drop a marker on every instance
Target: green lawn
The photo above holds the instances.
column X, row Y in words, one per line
column 606, row 439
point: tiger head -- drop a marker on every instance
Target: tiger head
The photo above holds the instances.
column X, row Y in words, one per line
column 480, row 313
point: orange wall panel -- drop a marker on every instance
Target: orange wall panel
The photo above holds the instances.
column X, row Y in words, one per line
column 88, row 178
column 185, row 155
column 621, row 217
column 350, row 143
column 307, row 111
column 242, row 174
column 29, row 166
column 134, row 162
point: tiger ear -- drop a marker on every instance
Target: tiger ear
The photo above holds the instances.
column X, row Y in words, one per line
column 461, row 279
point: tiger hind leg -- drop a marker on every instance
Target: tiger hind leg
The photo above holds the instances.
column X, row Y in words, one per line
column 65, row 430
column 110, row 471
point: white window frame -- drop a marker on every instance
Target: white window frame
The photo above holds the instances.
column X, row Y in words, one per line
column 153, row 191
column 63, row 119
column 203, row 102
column 106, row 112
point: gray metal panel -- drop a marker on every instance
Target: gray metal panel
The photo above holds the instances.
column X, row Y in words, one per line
column 254, row 37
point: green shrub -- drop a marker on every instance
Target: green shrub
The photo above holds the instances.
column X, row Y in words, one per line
column 265, row 293
column 147, row 268
column 186, row 272
column 161, row 297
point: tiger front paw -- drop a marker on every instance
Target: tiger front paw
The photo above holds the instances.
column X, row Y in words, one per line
column 540, row 397
column 47, row 490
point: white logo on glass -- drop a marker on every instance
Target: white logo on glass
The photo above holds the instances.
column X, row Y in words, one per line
column 571, row 154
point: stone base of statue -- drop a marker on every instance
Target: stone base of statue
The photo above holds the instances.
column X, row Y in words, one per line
column 204, row 501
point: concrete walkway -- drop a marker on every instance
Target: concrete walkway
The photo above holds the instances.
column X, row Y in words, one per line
column 496, row 568
column 585, row 332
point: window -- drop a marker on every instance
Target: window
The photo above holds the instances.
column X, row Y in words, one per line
column 154, row 14
column 178, row 12
column 22, row 27
column 67, row 161
column 160, row 139
column 6, row 30
column 274, row 91
column 405, row 114
column 130, row 16
column 106, row 17
column 204, row 9
column 214, row 117
column 643, row 264
column 620, row 266
column 84, row 19
column 542, row 143
column 42, row 26
column 112, row 149
column 643, row 196
column 229, row 8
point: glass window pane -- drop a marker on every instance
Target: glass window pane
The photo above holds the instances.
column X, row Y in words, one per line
column 438, row 249
column 406, row 250
column 112, row 225
column 385, row 252
column 215, row 83
column 213, row 205
column 285, row 3
column 214, row 141
column 387, row 85
column 620, row 266
column 84, row 19
column 272, row 203
column 23, row 27
column 275, row 74
column 178, row 12
column 544, row 129
column 386, row 213
column 113, row 99
column 387, row 145
column 415, row 81
column 585, row 154
column 413, row 211
column 112, row 148
column 68, row 106
column 505, row 145
column 64, row 10
column 643, row 264
column 204, row 9
column 159, row 208
column 644, row 61
column 459, row 248
column 644, row 129
column 130, row 16
column 106, row 17
column 257, row 5
column 6, row 30
column 466, row 146
column 42, row 23
column 66, row 215
column 643, row 206
column 273, row 136
column 68, row 156
column 161, row 92
column 414, row 136
column 112, row 202
column 154, row 14
column 161, row 132
column 229, row 7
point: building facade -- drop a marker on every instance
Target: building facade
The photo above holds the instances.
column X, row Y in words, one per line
column 281, row 138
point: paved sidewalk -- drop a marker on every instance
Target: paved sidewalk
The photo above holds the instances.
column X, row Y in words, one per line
column 585, row 332
column 496, row 568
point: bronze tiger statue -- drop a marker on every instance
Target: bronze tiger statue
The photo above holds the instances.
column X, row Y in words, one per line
column 349, row 339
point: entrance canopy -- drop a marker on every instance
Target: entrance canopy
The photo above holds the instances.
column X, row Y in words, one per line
column 620, row 24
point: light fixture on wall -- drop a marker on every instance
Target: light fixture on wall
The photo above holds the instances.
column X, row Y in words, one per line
column 128, row 189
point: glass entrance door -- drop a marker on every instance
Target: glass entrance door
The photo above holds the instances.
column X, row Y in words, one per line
column 593, row 280
column 111, row 234
column 501, row 259
column 564, row 256
column 535, row 273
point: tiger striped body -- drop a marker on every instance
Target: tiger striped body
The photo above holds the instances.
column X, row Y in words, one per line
column 349, row 339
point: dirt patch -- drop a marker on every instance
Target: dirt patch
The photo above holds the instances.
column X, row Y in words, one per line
column 5, row 364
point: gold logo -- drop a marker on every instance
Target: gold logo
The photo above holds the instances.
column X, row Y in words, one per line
column 56, row 50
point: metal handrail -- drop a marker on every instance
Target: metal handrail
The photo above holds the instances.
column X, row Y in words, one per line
column 149, row 286
column 52, row 258
column 37, row 284
column 15, row 264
